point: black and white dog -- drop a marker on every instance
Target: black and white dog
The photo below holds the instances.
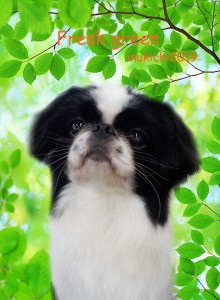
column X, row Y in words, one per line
column 115, row 156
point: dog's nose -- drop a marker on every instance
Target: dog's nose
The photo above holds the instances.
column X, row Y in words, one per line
column 103, row 131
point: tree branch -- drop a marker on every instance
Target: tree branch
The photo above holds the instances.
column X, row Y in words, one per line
column 128, row 13
column 201, row 45
column 53, row 46
column 212, row 26
column 206, row 289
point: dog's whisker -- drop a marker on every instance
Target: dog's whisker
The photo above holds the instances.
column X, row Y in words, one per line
column 152, row 161
column 144, row 166
column 63, row 157
column 55, row 187
column 155, row 190
column 144, row 170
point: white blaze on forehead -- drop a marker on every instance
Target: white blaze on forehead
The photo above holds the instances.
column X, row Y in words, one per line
column 110, row 100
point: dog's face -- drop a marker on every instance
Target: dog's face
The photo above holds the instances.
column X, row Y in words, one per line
column 111, row 135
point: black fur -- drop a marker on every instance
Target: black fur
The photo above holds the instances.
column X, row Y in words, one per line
column 169, row 155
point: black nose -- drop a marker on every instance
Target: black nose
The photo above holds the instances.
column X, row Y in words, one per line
column 103, row 131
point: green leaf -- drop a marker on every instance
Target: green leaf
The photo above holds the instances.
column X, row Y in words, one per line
column 189, row 46
column 9, row 240
column 212, row 278
column 100, row 49
column 12, row 197
column 9, row 207
column 6, row 10
column 34, row 14
column 189, row 3
column 162, row 88
column 109, row 69
column 194, row 30
column 131, row 50
column 212, row 261
column 29, row 73
column 173, row 15
column 175, row 39
column 185, row 195
column 124, row 5
column 157, row 71
column 97, row 63
column 191, row 209
column 8, row 183
column 215, row 179
column 182, row 279
column 15, row 158
column 20, row 30
column 210, row 164
column 201, row 221
column 197, row 237
column 126, row 81
column 202, row 190
column 17, row 252
column 38, row 274
column 190, row 250
column 127, row 32
column 187, row 265
column 38, row 37
column 57, row 67
column 140, row 75
column 16, row 48
column 149, row 50
column 215, row 127
column 217, row 245
column 74, row 13
column 4, row 167
column 7, row 31
column 42, row 63
column 188, row 291
column 132, row 76
column 199, row 267
column 24, row 292
column 150, row 90
column 66, row 53
column 209, row 295
column 214, row 147
column 157, row 32
column 9, row 68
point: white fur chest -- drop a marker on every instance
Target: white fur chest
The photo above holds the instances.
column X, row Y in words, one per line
column 104, row 247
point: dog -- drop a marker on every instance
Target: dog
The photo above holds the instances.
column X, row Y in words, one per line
column 115, row 155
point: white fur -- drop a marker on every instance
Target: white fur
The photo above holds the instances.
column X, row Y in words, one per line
column 104, row 247
column 110, row 100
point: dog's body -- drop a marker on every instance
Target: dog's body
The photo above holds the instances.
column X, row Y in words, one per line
column 115, row 156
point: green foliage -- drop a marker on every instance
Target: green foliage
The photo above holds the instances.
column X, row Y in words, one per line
column 10, row 68
column 57, row 67
column 196, row 260
column 29, row 73
column 75, row 13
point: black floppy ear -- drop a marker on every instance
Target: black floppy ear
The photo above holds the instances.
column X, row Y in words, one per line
column 51, row 129
column 41, row 139
column 180, row 155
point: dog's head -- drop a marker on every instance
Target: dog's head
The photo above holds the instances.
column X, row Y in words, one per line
column 113, row 136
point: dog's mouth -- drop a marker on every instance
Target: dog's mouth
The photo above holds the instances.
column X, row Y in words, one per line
column 97, row 154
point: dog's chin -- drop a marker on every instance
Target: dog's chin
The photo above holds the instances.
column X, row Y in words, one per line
column 100, row 168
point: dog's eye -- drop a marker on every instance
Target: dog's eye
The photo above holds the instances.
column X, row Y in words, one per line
column 137, row 138
column 77, row 125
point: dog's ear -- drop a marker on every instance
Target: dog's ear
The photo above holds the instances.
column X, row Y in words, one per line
column 41, row 137
column 180, row 157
